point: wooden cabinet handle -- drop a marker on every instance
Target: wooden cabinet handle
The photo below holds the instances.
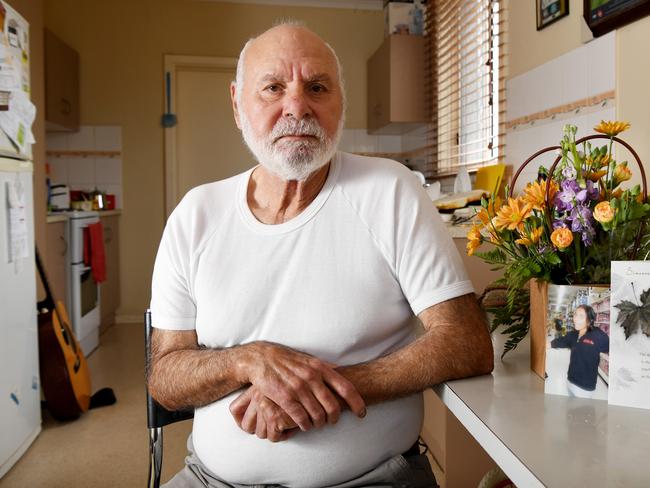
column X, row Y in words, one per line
column 65, row 246
column 66, row 107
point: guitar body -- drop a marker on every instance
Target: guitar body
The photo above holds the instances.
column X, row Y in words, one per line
column 65, row 377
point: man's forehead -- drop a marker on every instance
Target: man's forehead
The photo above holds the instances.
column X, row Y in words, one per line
column 285, row 50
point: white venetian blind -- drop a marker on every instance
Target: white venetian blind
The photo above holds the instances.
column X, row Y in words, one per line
column 465, row 54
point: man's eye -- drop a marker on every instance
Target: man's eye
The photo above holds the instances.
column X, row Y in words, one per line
column 273, row 88
column 318, row 88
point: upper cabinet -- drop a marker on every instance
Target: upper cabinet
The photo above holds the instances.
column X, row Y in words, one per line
column 396, row 85
column 61, row 85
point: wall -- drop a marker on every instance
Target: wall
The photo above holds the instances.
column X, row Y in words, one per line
column 632, row 86
column 121, row 45
column 528, row 47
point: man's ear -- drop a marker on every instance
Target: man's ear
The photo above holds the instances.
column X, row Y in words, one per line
column 235, row 107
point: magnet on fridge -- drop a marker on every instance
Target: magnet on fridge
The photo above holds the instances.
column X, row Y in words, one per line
column 14, row 398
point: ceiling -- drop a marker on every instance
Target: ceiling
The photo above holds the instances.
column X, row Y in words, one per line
column 351, row 4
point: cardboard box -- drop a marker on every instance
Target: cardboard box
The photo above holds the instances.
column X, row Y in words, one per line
column 403, row 17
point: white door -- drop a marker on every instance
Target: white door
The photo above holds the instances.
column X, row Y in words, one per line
column 205, row 145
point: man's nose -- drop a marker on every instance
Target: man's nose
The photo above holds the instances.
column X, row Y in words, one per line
column 297, row 104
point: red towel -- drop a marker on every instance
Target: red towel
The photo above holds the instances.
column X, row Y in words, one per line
column 94, row 251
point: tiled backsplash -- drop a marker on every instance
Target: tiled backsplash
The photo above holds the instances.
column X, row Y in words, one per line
column 89, row 169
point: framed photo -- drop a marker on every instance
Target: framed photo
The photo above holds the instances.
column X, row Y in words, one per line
column 548, row 11
column 577, row 341
column 603, row 16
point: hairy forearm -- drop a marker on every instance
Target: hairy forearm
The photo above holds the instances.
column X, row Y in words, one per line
column 194, row 377
column 457, row 345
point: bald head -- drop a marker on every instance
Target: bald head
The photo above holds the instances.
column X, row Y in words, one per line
column 288, row 36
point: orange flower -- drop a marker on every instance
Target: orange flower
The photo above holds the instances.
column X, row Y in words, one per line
column 474, row 239
column 486, row 214
column 622, row 173
column 562, row 238
column 595, row 175
column 604, row 213
column 535, row 194
column 611, row 128
column 512, row 215
column 532, row 238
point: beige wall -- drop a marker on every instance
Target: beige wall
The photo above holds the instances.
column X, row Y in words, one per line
column 633, row 86
column 121, row 45
column 528, row 47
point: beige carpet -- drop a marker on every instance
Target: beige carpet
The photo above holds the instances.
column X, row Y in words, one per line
column 107, row 447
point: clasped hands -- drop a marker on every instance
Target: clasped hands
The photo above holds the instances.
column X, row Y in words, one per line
column 291, row 391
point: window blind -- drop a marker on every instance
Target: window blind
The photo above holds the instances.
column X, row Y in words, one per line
column 465, row 55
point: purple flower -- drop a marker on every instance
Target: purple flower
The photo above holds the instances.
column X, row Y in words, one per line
column 569, row 172
column 592, row 191
column 564, row 200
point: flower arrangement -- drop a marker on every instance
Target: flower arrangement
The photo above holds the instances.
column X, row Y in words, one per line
column 566, row 227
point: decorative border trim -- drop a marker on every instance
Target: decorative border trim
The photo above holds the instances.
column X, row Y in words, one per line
column 84, row 154
column 567, row 107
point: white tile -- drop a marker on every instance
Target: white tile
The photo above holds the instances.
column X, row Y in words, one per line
column 365, row 142
column 84, row 140
column 108, row 170
column 58, row 170
column 108, row 138
column 56, row 141
column 389, row 144
column 81, row 171
column 347, row 140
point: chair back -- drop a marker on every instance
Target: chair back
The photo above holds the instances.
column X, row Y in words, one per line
column 158, row 416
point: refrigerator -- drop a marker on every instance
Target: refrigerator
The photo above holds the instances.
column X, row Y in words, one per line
column 20, row 413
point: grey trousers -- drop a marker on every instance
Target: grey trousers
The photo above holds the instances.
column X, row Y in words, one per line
column 397, row 472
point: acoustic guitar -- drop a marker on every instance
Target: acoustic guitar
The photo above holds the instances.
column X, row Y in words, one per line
column 65, row 377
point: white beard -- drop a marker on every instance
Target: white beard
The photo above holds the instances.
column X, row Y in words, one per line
column 292, row 160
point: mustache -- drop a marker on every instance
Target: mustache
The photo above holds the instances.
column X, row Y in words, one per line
column 292, row 127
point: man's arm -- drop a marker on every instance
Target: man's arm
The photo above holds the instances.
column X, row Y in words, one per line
column 182, row 374
column 456, row 344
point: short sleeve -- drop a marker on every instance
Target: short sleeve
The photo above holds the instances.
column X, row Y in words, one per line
column 172, row 304
column 428, row 265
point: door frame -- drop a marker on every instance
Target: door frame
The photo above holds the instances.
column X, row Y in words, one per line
column 172, row 64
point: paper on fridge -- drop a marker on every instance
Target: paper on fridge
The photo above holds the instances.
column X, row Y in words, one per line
column 629, row 370
column 17, row 121
column 18, row 234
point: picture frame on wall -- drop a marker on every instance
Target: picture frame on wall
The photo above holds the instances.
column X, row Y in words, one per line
column 550, row 11
column 603, row 16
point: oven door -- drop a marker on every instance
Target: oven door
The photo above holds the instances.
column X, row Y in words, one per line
column 85, row 307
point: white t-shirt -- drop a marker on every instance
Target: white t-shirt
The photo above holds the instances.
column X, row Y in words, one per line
column 341, row 281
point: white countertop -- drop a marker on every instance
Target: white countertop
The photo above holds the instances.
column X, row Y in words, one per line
column 549, row 440
column 54, row 217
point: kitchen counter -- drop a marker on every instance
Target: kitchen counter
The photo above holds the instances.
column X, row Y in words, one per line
column 54, row 217
column 549, row 440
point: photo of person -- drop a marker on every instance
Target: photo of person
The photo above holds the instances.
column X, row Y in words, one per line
column 577, row 354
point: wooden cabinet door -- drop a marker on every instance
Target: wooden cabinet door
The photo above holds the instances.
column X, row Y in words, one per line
column 61, row 84
column 55, row 260
column 110, row 291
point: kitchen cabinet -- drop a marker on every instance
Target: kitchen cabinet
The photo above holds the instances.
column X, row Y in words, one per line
column 55, row 260
column 110, row 289
column 61, row 85
column 396, row 86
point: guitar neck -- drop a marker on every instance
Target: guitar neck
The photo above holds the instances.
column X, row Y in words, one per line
column 49, row 301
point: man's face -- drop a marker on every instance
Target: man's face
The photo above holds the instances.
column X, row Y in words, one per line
column 290, row 109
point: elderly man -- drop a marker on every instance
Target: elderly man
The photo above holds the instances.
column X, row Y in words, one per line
column 285, row 298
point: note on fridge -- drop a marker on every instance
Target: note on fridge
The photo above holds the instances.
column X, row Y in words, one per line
column 18, row 236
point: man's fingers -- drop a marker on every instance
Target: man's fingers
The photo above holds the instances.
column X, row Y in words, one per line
column 314, row 408
column 239, row 405
column 261, row 428
column 249, row 421
column 329, row 402
column 346, row 390
column 297, row 413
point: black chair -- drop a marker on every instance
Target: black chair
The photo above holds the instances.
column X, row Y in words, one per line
column 157, row 417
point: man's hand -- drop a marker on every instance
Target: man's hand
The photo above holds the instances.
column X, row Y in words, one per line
column 256, row 414
column 301, row 385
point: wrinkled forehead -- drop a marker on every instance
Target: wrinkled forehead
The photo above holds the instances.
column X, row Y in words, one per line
column 287, row 53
